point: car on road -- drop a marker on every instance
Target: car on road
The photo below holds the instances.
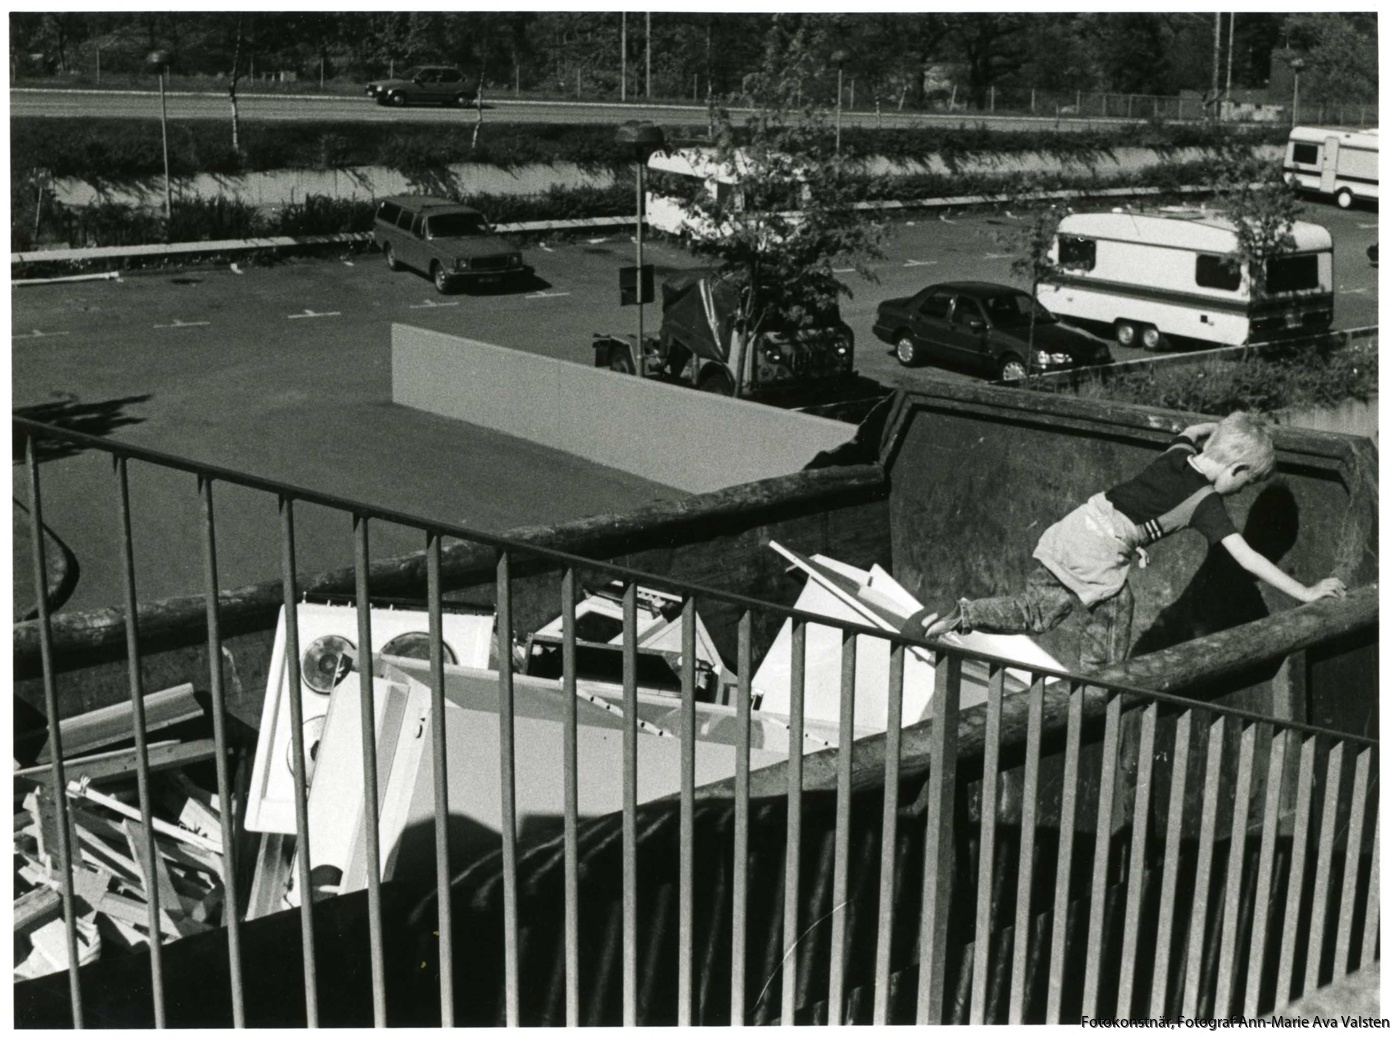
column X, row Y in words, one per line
column 427, row 85
column 450, row 243
column 997, row 329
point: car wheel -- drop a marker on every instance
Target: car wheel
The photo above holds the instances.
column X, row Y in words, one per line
column 463, row 100
column 391, row 260
column 440, row 280
column 620, row 360
column 396, row 99
column 1152, row 339
column 904, row 350
column 717, row 382
column 1125, row 333
column 1011, row 367
column 1344, row 198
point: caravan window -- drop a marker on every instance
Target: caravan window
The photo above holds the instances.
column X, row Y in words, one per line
column 1304, row 154
column 1077, row 252
column 1291, row 274
column 1213, row 272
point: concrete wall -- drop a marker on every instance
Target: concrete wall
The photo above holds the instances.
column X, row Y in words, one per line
column 676, row 436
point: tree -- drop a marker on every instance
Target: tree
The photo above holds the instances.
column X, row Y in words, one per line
column 1032, row 240
column 1254, row 195
column 1341, row 53
column 790, row 219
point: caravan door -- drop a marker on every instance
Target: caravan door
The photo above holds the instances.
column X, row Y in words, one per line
column 1329, row 166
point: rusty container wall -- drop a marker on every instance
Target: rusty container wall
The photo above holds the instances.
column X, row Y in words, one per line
column 977, row 473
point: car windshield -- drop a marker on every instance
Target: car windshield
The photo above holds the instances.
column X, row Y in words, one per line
column 1014, row 310
column 456, row 225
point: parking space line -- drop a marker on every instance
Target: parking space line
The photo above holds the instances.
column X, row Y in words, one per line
column 35, row 334
column 997, row 256
column 920, row 263
column 542, row 295
column 1368, row 225
column 432, row 303
column 177, row 324
column 308, row 313
column 842, row 270
column 1363, row 289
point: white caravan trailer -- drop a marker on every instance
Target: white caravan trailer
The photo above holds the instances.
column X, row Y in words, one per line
column 674, row 180
column 1165, row 275
column 1341, row 164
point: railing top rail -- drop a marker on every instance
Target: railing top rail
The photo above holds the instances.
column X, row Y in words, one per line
column 287, row 490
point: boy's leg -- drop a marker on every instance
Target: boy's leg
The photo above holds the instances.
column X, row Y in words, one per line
column 1042, row 605
column 1107, row 631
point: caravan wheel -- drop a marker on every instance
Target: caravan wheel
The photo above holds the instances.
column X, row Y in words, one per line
column 1344, row 198
column 1125, row 333
column 1152, row 339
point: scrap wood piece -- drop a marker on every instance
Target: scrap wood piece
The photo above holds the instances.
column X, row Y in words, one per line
column 121, row 763
column 134, row 913
column 79, row 790
column 182, row 782
column 155, row 876
column 45, row 826
column 106, row 726
column 121, row 934
column 271, row 874
column 36, row 907
column 191, row 807
column 51, row 941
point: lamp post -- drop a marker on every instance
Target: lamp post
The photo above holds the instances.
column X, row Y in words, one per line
column 1297, row 65
column 839, row 57
column 639, row 140
column 160, row 61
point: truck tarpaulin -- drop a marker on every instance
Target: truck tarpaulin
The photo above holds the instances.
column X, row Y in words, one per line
column 699, row 312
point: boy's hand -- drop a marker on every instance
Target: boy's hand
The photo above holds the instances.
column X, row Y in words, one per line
column 1328, row 588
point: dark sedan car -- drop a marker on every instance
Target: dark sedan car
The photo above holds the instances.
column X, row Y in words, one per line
column 431, row 85
column 994, row 328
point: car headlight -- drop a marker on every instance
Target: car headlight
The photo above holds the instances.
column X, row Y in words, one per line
column 1044, row 358
column 462, row 264
column 513, row 260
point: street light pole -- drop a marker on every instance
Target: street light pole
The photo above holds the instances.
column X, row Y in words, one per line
column 640, row 140
column 1297, row 64
column 160, row 61
column 839, row 57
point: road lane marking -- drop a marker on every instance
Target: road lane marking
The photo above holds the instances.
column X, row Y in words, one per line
column 177, row 324
column 542, row 295
column 36, row 334
column 1363, row 289
column 348, row 263
column 920, row 263
column 425, row 303
column 308, row 313
column 842, row 270
column 235, row 269
column 1368, row 225
column 594, row 242
column 997, row 256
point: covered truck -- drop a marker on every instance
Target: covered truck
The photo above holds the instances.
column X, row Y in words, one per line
column 703, row 343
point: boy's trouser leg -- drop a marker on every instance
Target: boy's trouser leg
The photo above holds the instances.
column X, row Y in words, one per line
column 1107, row 631
column 1042, row 605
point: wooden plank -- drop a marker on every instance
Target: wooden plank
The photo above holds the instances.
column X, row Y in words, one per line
column 1234, row 873
column 80, row 791
column 35, row 908
column 1205, row 855
column 111, row 766
column 1171, row 861
column 106, row 726
column 1142, row 824
column 1302, row 819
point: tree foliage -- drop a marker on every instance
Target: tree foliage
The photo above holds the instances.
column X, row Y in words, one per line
column 1254, row 195
column 782, row 154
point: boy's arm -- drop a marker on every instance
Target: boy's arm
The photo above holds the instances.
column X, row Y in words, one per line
column 1198, row 431
column 1260, row 566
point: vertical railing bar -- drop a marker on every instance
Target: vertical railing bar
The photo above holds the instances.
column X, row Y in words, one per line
column 1322, row 883
column 1205, row 858
column 369, row 767
column 739, row 935
column 1360, row 781
column 221, row 778
column 292, row 656
column 1171, row 862
column 1103, row 831
column 568, row 595
column 1234, row 873
column 1302, row 819
column 1142, row 824
column 938, row 837
column 889, row 820
column 836, row 977
column 986, row 843
column 138, row 726
column 1030, row 793
column 1370, row 932
column 685, row 994
column 1069, row 801
column 506, row 720
column 629, row 806
column 796, row 744
column 57, row 773
column 440, row 788
column 1264, row 875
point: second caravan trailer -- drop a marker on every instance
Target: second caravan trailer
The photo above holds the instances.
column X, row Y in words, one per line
column 1166, row 275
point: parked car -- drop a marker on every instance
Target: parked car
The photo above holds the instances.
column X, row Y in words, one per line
column 450, row 243
column 428, row 85
column 997, row 329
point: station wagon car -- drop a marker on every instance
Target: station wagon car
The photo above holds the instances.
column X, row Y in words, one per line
column 450, row 243
column 428, row 85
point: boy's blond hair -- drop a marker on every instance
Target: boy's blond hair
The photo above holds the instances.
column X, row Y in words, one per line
column 1242, row 437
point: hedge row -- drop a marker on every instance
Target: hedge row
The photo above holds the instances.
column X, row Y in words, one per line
column 113, row 153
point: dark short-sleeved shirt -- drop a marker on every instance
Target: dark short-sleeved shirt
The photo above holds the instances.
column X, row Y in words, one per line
column 1170, row 495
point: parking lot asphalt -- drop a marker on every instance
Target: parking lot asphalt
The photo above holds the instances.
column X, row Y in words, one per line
column 283, row 371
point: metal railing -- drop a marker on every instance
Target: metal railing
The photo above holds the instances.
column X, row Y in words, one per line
column 1255, row 893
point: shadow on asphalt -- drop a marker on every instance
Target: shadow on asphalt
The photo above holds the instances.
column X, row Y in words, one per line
column 95, row 418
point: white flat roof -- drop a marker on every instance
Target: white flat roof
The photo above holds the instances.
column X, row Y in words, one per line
column 1185, row 229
